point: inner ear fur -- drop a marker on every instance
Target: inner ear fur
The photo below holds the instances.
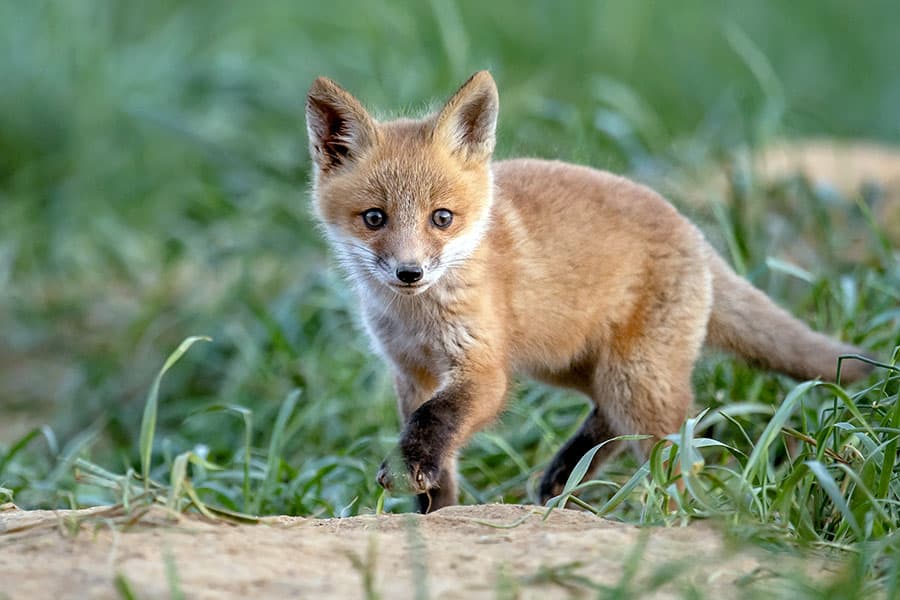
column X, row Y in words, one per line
column 468, row 122
column 339, row 128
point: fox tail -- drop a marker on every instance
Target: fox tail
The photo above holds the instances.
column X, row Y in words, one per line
column 746, row 322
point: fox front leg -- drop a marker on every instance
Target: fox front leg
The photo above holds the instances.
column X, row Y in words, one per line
column 414, row 386
column 426, row 451
column 437, row 429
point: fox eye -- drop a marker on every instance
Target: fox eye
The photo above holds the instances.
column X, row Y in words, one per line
column 374, row 218
column 442, row 218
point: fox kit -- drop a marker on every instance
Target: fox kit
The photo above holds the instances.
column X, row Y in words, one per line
column 470, row 271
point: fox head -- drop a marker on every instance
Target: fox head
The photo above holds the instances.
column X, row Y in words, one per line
column 404, row 201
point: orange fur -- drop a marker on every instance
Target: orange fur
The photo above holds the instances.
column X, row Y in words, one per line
column 574, row 276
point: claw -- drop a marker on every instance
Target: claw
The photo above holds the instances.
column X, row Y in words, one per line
column 384, row 477
column 423, row 478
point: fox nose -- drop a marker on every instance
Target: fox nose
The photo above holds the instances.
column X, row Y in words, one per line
column 409, row 273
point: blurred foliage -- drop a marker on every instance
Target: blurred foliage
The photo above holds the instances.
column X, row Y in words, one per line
column 153, row 178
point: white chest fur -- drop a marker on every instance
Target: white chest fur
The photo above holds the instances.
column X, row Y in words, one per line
column 422, row 331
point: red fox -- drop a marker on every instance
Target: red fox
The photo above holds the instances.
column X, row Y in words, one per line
column 470, row 271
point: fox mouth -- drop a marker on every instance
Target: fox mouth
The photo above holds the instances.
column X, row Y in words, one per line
column 408, row 289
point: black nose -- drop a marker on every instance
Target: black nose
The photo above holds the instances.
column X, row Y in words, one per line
column 409, row 273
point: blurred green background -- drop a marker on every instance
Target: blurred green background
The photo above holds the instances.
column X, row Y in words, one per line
column 153, row 185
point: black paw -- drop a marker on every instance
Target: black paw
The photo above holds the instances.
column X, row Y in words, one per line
column 384, row 477
column 423, row 476
column 423, row 444
column 423, row 463
column 404, row 476
column 552, row 483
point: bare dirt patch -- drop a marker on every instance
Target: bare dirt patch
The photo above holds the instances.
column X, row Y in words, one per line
column 458, row 552
column 846, row 166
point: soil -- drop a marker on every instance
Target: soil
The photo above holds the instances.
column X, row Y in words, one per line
column 489, row 551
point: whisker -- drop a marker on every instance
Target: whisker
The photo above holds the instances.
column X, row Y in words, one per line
column 357, row 246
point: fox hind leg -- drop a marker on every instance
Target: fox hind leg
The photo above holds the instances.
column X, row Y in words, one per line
column 594, row 430
column 622, row 407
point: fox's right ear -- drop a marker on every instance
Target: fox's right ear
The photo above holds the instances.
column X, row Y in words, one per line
column 339, row 128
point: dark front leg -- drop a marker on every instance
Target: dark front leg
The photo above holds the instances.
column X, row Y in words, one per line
column 437, row 429
column 431, row 435
column 414, row 386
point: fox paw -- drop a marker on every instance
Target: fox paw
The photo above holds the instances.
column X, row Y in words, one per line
column 552, row 483
column 423, row 477
column 384, row 477
column 549, row 490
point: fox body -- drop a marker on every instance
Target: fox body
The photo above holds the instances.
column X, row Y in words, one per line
column 470, row 271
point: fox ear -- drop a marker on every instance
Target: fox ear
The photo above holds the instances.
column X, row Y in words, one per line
column 339, row 128
column 468, row 122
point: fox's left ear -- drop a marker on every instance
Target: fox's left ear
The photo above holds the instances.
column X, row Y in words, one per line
column 468, row 122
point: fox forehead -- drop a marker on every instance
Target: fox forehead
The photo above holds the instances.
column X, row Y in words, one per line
column 406, row 163
column 407, row 180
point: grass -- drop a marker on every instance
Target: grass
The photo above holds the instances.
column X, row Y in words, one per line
column 153, row 180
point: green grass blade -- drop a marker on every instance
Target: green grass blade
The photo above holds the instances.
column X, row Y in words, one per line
column 625, row 490
column 760, row 453
column 580, row 470
column 148, row 422
column 172, row 579
column 830, row 486
column 177, row 479
column 276, row 445
column 890, row 451
column 18, row 447
column 123, row 587
column 247, row 416
column 691, row 463
column 851, row 406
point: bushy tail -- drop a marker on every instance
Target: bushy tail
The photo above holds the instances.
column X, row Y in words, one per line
column 745, row 321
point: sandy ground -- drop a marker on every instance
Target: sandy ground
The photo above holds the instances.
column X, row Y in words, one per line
column 453, row 553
